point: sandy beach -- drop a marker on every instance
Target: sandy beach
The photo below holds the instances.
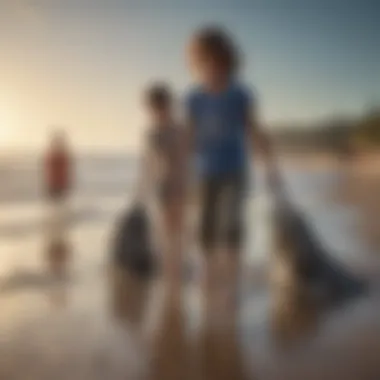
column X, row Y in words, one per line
column 361, row 187
column 95, row 323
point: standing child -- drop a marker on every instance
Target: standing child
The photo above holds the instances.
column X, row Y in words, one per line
column 163, row 166
column 222, row 130
column 58, row 168
column 58, row 179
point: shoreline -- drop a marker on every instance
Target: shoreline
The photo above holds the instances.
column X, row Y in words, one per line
column 362, row 163
column 359, row 184
column 361, row 188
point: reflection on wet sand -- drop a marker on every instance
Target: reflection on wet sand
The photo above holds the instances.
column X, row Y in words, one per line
column 59, row 295
column 57, row 247
column 219, row 349
column 293, row 314
column 345, row 347
column 129, row 296
column 57, row 256
column 213, row 352
column 170, row 344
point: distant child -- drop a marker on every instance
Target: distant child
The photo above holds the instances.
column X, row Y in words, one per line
column 58, row 182
column 223, row 128
column 163, row 170
column 58, row 170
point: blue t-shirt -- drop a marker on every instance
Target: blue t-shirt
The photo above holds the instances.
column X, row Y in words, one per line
column 220, row 123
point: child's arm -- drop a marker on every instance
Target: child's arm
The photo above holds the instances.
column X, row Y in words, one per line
column 258, row 139
column 261, row 142
column 186, row 152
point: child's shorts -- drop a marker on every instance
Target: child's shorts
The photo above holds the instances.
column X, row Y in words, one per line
column 221, row 211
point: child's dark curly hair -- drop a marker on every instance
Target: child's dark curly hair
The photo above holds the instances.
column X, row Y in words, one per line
column 215, row 43
column 158, row 95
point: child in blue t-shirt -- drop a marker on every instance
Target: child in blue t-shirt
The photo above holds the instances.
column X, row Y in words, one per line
column 222, row 130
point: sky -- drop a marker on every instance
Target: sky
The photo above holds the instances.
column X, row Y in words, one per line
column 82, row 65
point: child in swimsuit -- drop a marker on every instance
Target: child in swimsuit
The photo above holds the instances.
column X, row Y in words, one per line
column 163, row 164
column 58, row 168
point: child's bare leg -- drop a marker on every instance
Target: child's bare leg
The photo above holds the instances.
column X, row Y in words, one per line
column 173, row 226
column 209, row 250
column 233, row 239
column 232, row 270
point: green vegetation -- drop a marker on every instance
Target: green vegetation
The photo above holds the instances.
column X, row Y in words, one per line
column 339, row 135
column 367, row 132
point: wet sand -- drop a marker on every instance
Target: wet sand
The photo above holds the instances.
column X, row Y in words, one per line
column 92, row 321
column 361, row 187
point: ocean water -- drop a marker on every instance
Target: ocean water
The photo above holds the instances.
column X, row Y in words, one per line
column 104, row 184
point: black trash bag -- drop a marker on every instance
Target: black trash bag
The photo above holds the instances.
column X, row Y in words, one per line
column 132, row 244
column 309, row 259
